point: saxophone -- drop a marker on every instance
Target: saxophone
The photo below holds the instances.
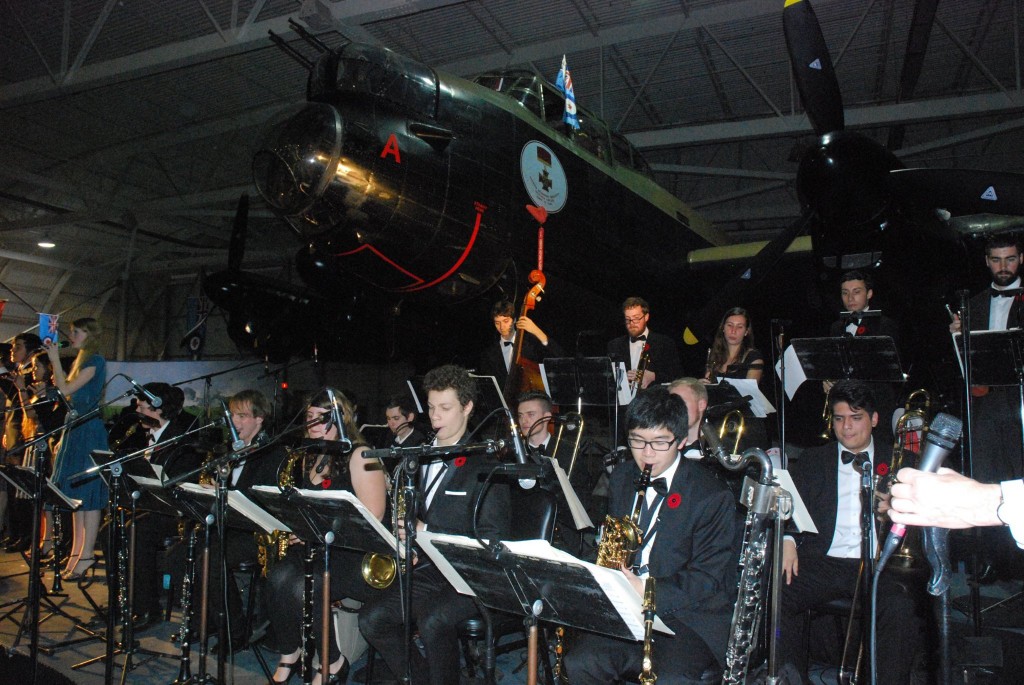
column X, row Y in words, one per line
column 641, row 369
column 622, row 537
column 379, row 570
column 647, row 675
column 272, row 547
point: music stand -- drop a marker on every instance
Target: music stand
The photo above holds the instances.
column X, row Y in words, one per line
column 332, row 518
column 32, row 484
column 580, row 380
column 866, row 358
column 538, row 581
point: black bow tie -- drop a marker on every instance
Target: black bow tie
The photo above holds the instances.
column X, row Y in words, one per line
column 507, row 343
column 637, row 338
column 1011, row 292
column 660, row 486
column 859, row 458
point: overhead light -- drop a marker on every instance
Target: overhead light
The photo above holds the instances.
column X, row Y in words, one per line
column 46, row 242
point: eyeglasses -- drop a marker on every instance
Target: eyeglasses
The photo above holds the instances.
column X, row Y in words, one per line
column 656, row 445
column 637, row 319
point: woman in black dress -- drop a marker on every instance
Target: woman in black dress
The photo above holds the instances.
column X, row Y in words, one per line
column 732, row 354
column 350, row 471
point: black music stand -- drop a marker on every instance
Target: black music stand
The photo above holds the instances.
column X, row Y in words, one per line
column 580, row 381
column 42, row 491
column 866, row 358
column 331, row 518
column 537, row 581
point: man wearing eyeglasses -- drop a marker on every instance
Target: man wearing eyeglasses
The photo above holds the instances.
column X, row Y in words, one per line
column 663, row 357
column 690, row 546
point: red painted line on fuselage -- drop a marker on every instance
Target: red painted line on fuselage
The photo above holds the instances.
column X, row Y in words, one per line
column 386, row 259
column 465, row 253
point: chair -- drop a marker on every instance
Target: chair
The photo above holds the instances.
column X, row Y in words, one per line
column 535, row 514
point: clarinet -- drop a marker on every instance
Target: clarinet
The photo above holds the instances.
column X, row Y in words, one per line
column 306, row 639
column 57, row 538
column 185, row 666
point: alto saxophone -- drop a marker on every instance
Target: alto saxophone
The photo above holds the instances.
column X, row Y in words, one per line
column 272, row 547
column 622, row 537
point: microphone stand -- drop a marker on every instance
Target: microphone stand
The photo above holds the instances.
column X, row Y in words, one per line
column 777, row 345
column 967, row 451
column 867, row 553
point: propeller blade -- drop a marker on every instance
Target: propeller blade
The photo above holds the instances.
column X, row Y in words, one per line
column 913, row 59
column 812, row 67
column 236, row 246
column 735, row 291
column 961, row 191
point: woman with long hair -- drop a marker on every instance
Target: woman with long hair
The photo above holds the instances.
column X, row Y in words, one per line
column 348, row 471
column 83, row 386
column 732, row 354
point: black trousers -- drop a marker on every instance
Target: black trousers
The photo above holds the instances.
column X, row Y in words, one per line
column 285, row 583
column 599, row 660
column 150, row 532
column 437, row 610
column 901, row 611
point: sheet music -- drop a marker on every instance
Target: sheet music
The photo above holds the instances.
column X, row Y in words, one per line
column 625, row 393
column 241, row 504
column 801, row 517
column 339, row 495
column 759, row 404
column 579, row 514
column 627, row 603
column 795, row 375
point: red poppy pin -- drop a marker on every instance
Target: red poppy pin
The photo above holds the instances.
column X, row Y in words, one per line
column 459, row 461
column 674, row 500
column 861, row 330
column 325, row 483
column 882, row 469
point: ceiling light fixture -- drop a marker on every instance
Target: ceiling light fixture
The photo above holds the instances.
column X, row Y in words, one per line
column 46, row 242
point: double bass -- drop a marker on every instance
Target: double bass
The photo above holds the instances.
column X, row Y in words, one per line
column 523, row 373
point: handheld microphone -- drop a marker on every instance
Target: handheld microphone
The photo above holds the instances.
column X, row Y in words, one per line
column 236, row 442
column 153, row 400
column 941, row 439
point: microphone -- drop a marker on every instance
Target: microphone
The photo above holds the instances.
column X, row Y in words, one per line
column 517, row 439
column 336, row 418
column 60, row 345
column 153, row 400
column 236, row 442
column 714, row 444
column 941, row 439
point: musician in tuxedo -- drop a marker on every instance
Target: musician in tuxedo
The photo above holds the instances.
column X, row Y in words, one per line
column 162, row 424
column 533, row 413
column 822, row 567
column 856, row 290
column 400, row 415
column 446, row 493
column 695, row 394
column 690, row 547
column 496, row 359
column 997, row 451
column 663, row 364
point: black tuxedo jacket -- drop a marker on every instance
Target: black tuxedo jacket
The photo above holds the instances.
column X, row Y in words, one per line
column 492, row 363
column 816, row 475
column 694, row 554
column 451, row 510
column 664, row 356
column 181, row 457
column 260, row 467
column 873, row 325
column 981, row 307
column 417, row 437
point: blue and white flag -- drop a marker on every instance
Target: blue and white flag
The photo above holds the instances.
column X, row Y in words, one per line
column 564, row 84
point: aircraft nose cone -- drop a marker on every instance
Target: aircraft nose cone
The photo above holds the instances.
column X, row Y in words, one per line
column 296, row 162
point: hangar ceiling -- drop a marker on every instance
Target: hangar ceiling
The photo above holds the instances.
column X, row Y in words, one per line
column 128, row 125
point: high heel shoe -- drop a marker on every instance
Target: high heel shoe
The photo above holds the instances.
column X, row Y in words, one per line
column 339, row 677
column 292, row 667
column 77, row 574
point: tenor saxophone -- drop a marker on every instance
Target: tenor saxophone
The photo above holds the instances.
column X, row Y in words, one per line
column 379, row 570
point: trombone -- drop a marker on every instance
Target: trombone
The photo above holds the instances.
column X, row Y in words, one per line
column 576, row 419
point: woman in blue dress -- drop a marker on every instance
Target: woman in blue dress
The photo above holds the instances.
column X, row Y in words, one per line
column 83, row 387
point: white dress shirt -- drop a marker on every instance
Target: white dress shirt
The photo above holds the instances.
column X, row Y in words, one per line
column 847, row 537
